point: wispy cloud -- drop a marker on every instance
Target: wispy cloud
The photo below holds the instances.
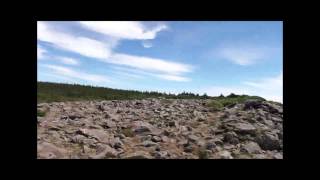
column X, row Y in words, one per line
column 146, row 44
column 102, row 51
column 68, row 61
column 151, row 64
column 40, row 52
column 271, row 88
column 81, row 45
column 243, row 55
column 173, row 77
column 124, row 29
column 141, row 73
column 131, row 75
column 68, row 72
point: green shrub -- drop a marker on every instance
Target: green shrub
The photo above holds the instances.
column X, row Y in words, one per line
column 234, row 99
column 215, row 105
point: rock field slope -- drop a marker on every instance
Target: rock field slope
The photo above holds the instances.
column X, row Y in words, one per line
column 159, row 129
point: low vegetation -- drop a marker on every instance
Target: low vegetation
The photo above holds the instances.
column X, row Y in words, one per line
column 219, row 102
column 128, row 132
column 202, row 153
column 41, row 113
column 57, row 92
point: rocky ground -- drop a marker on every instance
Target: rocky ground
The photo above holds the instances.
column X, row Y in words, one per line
column 159, row 129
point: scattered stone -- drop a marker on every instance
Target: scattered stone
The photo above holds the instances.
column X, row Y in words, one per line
column 150, row 128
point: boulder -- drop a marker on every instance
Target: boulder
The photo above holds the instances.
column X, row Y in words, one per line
column 193, row 138
column 141, row 127
column 244, row 128
column 107, row 152
column 268, row 141
column 156, row 139
column 225, row 155
column 137, row 155
column 231, row 137
column 251, row 147
column 50, row 151
column 161, row 154
column 149, row 143
column 252, row 104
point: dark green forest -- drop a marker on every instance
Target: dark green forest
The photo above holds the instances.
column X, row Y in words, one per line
column 58, row 92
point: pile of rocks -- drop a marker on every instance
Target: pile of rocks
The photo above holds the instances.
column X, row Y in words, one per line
column 159, row 129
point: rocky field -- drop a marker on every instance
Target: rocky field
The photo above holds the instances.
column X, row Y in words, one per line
column 159, row 129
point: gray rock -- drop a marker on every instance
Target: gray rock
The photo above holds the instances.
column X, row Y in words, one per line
column 252, row 104
column 231, row 137
column 109, row 124
column 244, row 128
column 278, row 156
column 51, row 151
column 108, row 152
column 77, row 138
column 141, row 127
column 251, row 148
column 138, row 155
column 149, row 143
column 210, row 145
column 268, row 141
column 188, row 149
column 156, row 139
column 161, row 154
column 225, row 155
column 193, row 138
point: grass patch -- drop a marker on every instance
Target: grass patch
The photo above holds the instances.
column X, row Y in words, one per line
column 215, row 105
column 128, row 132
column 221, row 101
column 41, row 113
column 203, row 154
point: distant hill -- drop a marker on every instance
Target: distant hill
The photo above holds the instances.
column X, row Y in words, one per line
column 57, row 92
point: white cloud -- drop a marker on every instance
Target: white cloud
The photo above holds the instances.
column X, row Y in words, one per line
column 270, row 88
column 82, row 45
column 173, row 77
column 150, row 64
column 131, row 75
column 40, row 52
column 68, row 61
column 68, row 72
column 124, row 29
column 146, row 44
column 242, row 55
column 140, row 73
column 102, row 51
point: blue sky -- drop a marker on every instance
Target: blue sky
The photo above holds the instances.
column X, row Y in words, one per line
column 213, row 57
